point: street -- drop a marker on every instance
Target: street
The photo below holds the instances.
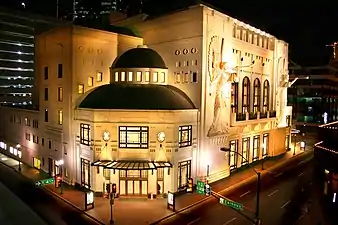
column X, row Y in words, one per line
column 288, row 196
column 48, row 207
column 11, row 206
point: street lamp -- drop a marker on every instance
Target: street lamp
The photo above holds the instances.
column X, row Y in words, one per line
column 257, row 221
column 23, row 5
column 60, row 163
column 18, row 146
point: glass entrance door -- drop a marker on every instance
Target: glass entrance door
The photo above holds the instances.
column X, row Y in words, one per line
column 184, row 173
column 134, row 182
column 233, row 155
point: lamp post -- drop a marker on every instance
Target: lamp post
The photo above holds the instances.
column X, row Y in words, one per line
column 258, row 192
column 18, row 146
column 60, row 163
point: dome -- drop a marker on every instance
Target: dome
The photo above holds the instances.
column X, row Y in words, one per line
column 137, row 97
column 141, row 57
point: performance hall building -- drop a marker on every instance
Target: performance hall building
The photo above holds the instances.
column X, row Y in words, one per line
column 149, row 112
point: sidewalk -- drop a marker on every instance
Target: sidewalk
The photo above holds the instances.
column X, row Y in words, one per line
column 130, row 211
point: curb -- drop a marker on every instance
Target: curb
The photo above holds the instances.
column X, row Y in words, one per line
column 56, row 195
column 237, row 185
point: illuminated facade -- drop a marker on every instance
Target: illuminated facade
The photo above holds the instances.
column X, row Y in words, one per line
column 18, row 31
column 149, row 118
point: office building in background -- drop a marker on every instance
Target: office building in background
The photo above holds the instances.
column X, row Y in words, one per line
column 17, row 37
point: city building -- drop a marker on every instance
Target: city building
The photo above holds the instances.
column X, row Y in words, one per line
column 18, row 30
column 149, row 112
column 314, row 100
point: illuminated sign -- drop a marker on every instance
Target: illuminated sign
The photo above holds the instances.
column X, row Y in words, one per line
column 170, row 198
column 90, row 197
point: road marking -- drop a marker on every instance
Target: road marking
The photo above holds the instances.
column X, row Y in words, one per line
column 230, row 221
column 278, row 174
column 242, row 195
column 192, row 222
column 274, row 192
column 300, row 174
column 285, row 204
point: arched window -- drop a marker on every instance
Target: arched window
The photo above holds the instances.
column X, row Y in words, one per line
column 234, row 97
column 257, row 96
column 266, row 94
column 246, row 95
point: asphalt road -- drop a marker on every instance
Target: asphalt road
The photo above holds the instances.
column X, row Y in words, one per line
column 11, row 206
column 287, row 197
column 49, row 208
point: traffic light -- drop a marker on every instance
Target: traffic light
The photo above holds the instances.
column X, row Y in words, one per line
column 108, row 188
column 190, row 185
column 114, row 188
column 207, row 189
column 58, row 181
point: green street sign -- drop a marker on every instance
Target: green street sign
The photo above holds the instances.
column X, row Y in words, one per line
column 45, row 182
column 200, row 187
column 231, row 204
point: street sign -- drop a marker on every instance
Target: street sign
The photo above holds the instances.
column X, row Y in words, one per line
column 200, row 187
column 231, row 204
column 45, row 182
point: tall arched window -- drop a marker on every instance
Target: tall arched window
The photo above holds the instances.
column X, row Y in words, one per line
column 257, row 96
column 246, row 95
column 266, row 94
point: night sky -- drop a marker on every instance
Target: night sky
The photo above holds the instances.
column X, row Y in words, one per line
column 308, row 26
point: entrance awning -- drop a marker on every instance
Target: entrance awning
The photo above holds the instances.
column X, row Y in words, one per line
column 131, row 165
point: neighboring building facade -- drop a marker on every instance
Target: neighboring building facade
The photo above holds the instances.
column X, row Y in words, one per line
column 83, row 10
column 314, row 100
column 118, row 113
column 18, row 30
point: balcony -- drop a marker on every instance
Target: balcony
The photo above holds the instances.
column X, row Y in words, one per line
column 243, row 118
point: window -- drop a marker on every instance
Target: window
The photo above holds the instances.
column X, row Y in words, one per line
column 35, row 124
column 46, row 94
column 60, row 94
column 116, row 76
column 245, row 150
column 60, row 72
column 186, row 77
column 99, row 76
column 27, row 122
column 233, row 154
column 130, row 76
column 28, row 136
column 60, row 117
column 194, row 77
column 178, row 64
column 265, row 147
column 85, row 173
column 46, row 72
column 184, row 136
column 133, row 137
column 246, row 95
column 161, row 78
column 81, row 89
column 106, row 173
column 266, row 93
column 84, row 134
column 255, row 154
column 35, row 139
column 50, row 144
column 257, row 96
column 90, row 81
column 147, row 76
column 155, row 77
column 46, row 115
column 42, row 141
column 138, row 76
column 234, row 97
column 123, row 76
column 184, row 173
column 178, row 77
